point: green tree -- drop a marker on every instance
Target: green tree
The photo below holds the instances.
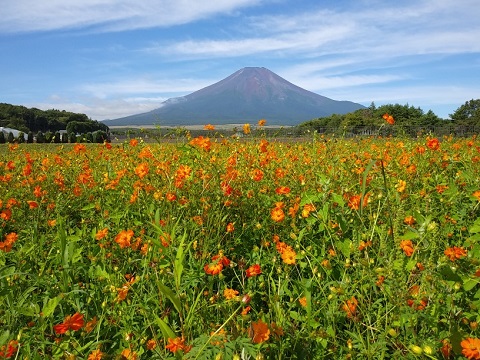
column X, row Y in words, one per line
column 10, row 137
column 40, row 137
column 30, row 137
column 468, row 113
column 21, row 137
column 2, row 137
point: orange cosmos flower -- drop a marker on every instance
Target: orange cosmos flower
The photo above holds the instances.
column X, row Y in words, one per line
column 123, row 238
column 230, row 294
column 230, row 227
column 201, row 142
column 253, row 270
column 259, row 332
column 257, row 175
column 350, row 307
column 476, row 195
column 7, row 244
column 177, row 344
column 219, row 261
column 101, row 234
column 303, row 301
column 90, row 325
column 79, row 148
column 74, row 322
column 95, row 355
column 354, row 201
column 471, row 348
column 209, row 127
column 246, row 129
column 133, row 142
column 261, row 122
column 263, row 146
column 401, row 185
column 129, row 354
column 277, row 213
column 455, row 252
column 282, row 190
column 32, row 204
column 307, row 209
column 433, row 144
column 142, row 170
column 409, row 220
column 363, row 245
column 151, row 344
column 389, row 119
column 407, row 247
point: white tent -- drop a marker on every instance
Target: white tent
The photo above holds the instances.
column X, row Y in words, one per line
column 15, row 132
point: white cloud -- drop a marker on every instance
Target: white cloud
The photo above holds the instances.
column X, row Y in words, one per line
column 109, row 15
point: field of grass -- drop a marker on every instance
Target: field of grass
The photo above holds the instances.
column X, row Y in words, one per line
column 363, row 248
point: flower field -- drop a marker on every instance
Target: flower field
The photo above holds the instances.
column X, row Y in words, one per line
column 246, row 248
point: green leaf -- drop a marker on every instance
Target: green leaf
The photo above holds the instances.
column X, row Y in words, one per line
column 50, row 306
column 469, row 284
column 167, row 331
column 166, row 291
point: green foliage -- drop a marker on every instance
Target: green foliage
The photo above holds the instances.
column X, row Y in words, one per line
column 468, row 113
column 40, row 137
column 2, row 137
column 32, row 119
column 30, row 137
column 21, row 137
column 49, row 137
column 10, row 138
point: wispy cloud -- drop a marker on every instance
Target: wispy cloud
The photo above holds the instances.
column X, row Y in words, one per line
column 109, row 15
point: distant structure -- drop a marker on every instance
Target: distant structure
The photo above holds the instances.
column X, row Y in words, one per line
column 15, row 132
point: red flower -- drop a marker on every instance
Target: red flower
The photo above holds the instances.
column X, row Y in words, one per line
column 11, row 349
column 74, row 322
column 254, row 270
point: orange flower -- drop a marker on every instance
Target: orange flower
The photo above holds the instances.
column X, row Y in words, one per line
column 133, row 142
column 446, row 349
column 74, row 322
column 7, row 244
column 246, row 310
column 95, row 355
column 277, row 213
column 350, row 307
column 303, row 301
column 101, row 234
column 254, row 270
column 409, row 220
column 259, row 332
column 151, row 344
column 246, row 129
column 219, row 261
column 455, row 252
column 282, row 190
column 32, row 204
column 471, row 348
column 230, row 294
column 407, row 247
column 209, row 127
column 418, row 304
column 401, row 185
column 129, row 354
column 433, row 144
column 142, row 170
column 363, row 245
column 286, row 252
column 261, row 122
column 354, row 201
column 230, row 227
column 389, row 119
column 476, row 195
column 177, row 344
column 123, row 238
column 201, row 142
column 307, row 209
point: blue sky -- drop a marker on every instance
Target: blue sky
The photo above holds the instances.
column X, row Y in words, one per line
column 113, row 58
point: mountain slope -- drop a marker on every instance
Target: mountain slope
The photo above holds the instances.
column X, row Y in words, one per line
column 247, row 95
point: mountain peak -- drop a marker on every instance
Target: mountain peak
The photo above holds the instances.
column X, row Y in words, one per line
column 247, row 95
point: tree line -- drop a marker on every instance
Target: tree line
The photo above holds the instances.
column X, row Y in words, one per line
column 408, row 120
column 32, row 119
